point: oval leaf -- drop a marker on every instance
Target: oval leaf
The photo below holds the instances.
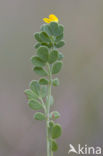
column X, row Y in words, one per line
column 59, row 44
column 43, row 53
column 40, row 71
column 35, row 87
column 30, row 94
column 37, row 36
column 56, row 131
column 43, row 81
column 35, row 105
column 54, row 146
column 56, row 67
column 61, row 29
column 53, row 56
column 39, row 116
column 51, row 124
column 54, row 28
column 37, row 61
column 44, row 37
column 58, row 38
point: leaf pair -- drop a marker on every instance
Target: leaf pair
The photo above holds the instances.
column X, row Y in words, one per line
column 44, row 56
column 55, row 69
column 44, row 81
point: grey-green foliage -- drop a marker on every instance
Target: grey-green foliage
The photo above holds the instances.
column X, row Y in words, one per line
column 46, row 61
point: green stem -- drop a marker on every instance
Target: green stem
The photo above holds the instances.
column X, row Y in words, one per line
column 48, row 146
column 49, row 151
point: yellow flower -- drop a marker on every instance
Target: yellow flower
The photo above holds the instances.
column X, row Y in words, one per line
column 52, row 18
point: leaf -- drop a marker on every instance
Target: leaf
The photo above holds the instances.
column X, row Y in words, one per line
column 40, row 71
column 54, row 146
column 43, row 53
column 37, row 37
column 56, row 67
column 51, row 100
column 37, row 61
column 44, row 37
column 30, row 94
column 59, row 44
column 35, row 105
column 60, row 56
column 51, row 124
column 61, row 29
column 42, row 27
column 56, row 82
column 37, row 45
column 56, row 131
column 58, row 38
column 54, row 115
column 54, row 28
column 46, row 28
column 43, row 81
column 43, row 91
column 35, row 87
column 39, row 116
column 53, row 56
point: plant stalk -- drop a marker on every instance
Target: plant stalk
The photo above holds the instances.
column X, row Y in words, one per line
column 49, row 151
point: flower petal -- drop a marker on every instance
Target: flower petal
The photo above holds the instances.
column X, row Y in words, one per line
column 52, row 17
column 46, row 20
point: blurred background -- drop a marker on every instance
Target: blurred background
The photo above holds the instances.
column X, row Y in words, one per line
column 79, row 98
